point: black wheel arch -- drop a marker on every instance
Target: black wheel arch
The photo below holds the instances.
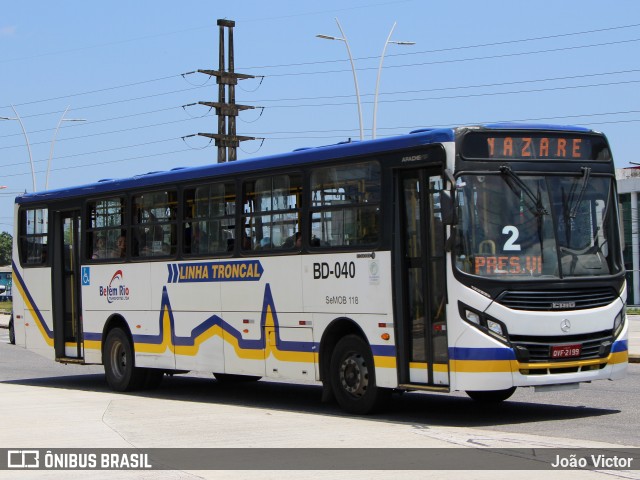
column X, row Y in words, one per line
column 337, row 329
column 115, row 321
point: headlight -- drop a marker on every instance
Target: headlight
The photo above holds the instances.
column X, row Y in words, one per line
column 619, row 321
column 483, row 322
column 495, row 327
column 472, row 317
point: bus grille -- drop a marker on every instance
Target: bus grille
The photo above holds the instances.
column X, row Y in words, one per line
column 538, row 349
column 558, row 300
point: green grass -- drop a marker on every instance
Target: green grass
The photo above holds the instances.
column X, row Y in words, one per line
column 6, row 307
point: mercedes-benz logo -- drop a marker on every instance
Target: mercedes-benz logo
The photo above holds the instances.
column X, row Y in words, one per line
column 565, row 325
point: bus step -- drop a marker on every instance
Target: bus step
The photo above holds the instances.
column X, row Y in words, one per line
column 79, row 361
column 429, row 388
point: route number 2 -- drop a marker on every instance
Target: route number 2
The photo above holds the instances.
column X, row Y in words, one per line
column 510, row 244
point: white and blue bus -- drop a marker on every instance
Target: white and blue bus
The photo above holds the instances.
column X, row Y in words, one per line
column 477, row 259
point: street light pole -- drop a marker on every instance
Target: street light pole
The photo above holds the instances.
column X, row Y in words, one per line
column 353, row 69
column 375, row 97
column 26, row 138
column 53, row 141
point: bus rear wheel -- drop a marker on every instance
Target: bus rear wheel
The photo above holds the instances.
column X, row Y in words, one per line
column 119, row 365
column 353, row 378
column 491, row 396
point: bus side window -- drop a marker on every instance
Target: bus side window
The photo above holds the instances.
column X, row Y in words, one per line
column 33, row 236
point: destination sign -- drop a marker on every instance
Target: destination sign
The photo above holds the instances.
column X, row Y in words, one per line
column 534, row 146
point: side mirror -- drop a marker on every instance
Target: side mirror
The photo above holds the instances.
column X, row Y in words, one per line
column 447, row 207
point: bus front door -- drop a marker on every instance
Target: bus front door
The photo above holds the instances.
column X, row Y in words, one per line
column 421, row 280
column 67, row 324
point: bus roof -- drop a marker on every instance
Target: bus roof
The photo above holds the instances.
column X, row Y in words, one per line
column 302, row 156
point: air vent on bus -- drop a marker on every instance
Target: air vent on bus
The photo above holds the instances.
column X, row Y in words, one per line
column 558, row 300
column 538, row 349
column 422, row 130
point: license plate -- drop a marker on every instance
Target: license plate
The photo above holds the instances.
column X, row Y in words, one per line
column 566, row 351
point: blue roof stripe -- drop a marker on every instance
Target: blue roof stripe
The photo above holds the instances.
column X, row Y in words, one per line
column 299, row 157
column 317, row 154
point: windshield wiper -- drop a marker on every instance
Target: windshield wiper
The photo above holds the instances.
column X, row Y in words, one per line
column 537, row 201
column 586, row 173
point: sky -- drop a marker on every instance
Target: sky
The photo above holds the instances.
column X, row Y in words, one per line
column 124, row 71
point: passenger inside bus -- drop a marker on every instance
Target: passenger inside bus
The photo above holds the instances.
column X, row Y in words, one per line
column 121, row 245
column 99, row 250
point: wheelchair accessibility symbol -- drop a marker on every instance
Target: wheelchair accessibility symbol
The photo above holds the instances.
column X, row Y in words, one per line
column 86, row 276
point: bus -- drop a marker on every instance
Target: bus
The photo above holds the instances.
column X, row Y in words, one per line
column 476, row 259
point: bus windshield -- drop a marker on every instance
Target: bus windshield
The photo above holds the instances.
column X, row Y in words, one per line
column 513, row 226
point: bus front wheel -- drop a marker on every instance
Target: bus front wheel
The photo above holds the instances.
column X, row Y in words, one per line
column 491, row 396
column 118, row 360
column 353, row 378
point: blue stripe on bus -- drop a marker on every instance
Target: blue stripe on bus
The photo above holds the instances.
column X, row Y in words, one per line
column 31, row 304
column 383, row 350
column 620, row 346
column 215, row 320
column 311, row 155
column 459, row 353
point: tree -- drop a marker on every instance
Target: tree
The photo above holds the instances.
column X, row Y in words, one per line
column 6, row 246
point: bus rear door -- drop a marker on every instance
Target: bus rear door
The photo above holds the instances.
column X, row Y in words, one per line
column 65, row 280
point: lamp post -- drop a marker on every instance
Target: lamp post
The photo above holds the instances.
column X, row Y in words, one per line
column 353, row 69
column 26, row 138
column 375, row 97
column 53, row 141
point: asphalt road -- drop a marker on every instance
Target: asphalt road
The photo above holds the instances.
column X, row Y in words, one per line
column 601, row 411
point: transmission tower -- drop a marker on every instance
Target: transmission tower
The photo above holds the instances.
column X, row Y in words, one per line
column 227, row 111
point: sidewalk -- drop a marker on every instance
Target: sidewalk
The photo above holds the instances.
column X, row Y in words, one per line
column 634, row 334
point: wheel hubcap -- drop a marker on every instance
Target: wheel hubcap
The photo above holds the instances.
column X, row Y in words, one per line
column 118, row 359
column 354, row 375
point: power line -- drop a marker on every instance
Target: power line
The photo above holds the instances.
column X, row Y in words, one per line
column 470, row 59
column 323, row 137
column 107, row 133
column 471, row 95
column 106, row 150
column 142, row 82
column 115, row 102
column 90, row 92
column 434, row 89
column 106, row 162
column 92, row 122
column 446, row 97
column 449, row 49
column 459, row 87
column 191, row 29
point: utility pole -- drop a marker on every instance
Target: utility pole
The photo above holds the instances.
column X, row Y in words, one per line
column 226, row 110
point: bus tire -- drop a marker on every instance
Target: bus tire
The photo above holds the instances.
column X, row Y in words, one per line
column 12, row 332
column 491, row 396
column 353, row 377
column 119, row 363
column 232, row 378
